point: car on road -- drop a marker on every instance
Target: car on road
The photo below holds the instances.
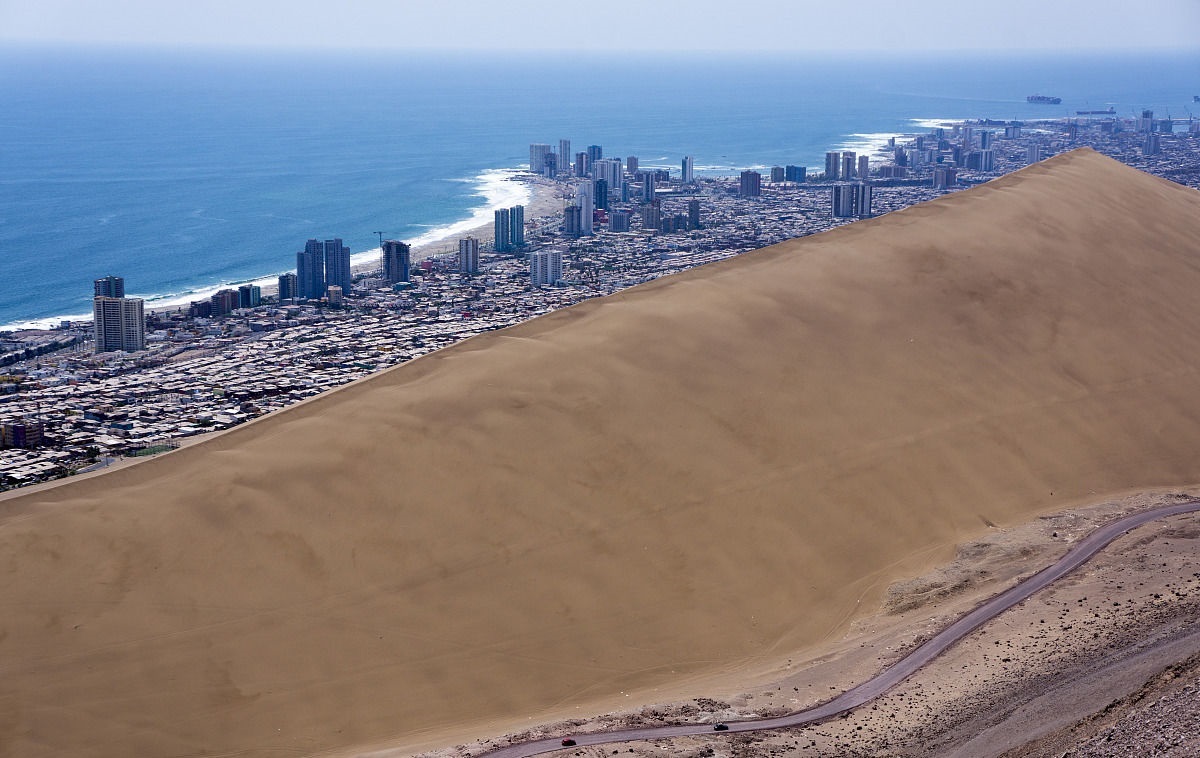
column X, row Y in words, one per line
column 720, row 727
column 568, row 742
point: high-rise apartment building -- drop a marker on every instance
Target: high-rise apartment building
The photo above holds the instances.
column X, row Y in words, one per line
column 564, row 155
column 337, row 265
column 600, row 192
column 618, row 221
column 586, row 201
column 648, row 186
column 249, row 296
column 693, row 214
column 582, row 164
column 468, row 256
column 310, row 270
column 688, row 170
column 843, row 200
column 832, row 165
column 944, row 177
column 750, row 184
column 795, row 173
column 571, row 221
column 651, row 215
column 109, row 286
column 851, row 200
column 537, row 157
column 545, row 267
column 862, row 200
column 849, row 164
column 631, row 164
column 864, row 167
column 503, row 231
column 289, row 288
column 777, row 174
column 594, row 153
column 397, row 260
column 516, row 225
column 224, row 302
column 119, row 322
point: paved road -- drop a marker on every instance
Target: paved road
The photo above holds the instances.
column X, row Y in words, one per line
column 898, row 672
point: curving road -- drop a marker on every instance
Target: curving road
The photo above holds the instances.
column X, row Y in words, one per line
column 898, row 672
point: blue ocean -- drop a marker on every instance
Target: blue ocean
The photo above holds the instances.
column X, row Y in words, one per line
column 186, row 171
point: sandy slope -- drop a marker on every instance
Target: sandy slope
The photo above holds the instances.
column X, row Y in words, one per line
column 684, row 480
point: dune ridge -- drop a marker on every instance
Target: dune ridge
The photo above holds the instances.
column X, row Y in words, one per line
column 682, row 480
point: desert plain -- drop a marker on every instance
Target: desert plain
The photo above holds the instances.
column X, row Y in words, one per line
column 667, row 494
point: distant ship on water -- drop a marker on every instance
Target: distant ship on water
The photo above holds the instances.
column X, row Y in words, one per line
column 1043, row 99
column 1110, row 112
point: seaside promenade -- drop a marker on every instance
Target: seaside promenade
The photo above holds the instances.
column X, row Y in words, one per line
column 201, row 375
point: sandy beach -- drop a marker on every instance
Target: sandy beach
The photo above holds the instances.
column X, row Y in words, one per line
column 646, row 498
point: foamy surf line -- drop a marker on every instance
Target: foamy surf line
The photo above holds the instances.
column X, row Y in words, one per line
column 497, row 187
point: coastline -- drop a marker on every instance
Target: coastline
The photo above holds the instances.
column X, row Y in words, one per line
column 499, row 188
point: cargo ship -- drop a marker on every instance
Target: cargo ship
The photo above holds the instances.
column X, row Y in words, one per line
column 1043, row 99
column 1110, row 112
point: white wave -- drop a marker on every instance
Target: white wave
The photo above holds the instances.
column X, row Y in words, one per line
column 934, row 123
column 874, row 143
column 498, row 189
column 43, row 323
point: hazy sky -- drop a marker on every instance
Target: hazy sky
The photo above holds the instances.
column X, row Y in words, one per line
column 617, row 24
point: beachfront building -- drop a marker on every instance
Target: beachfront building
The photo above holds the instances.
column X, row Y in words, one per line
column 224, row 302
column 516, row 223
column 631, row 164
column 864, row 167
column 849, row 164
column 545, row 267
column 109, row 286
column 288, row 287
column 249, row 296
column 832, row 165
column 687, row 170
column 310, row 270
column 594, row 153
column 119, row 323
column 396, row 261
column 582, row 164
column 777, row 174
column 468, row 256
column 794, row 173
column 337, row 265
column 750, row 184
column 564, row 155
column 537, row 157
column 503, row 231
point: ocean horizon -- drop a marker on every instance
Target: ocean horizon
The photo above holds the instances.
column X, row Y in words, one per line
column 188, row 171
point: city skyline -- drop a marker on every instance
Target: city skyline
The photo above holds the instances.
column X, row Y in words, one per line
column 704, row 25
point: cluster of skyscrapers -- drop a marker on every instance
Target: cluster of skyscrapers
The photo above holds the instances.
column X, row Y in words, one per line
column 119, row 321
column 321, row 265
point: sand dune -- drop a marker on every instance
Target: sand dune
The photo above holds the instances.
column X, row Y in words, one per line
column 684, row 480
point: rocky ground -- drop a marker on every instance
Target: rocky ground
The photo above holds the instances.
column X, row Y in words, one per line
column 1104, row 663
